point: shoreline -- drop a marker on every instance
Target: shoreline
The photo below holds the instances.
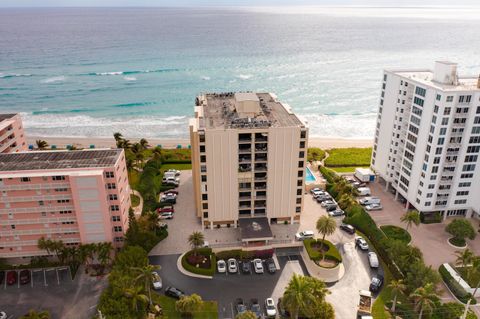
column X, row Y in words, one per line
column 109, row 142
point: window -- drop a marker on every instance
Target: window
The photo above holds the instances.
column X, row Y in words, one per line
column 445, row 121
column 474, row 139
column 301, row 154
column 299, row 200
column 109, row 174
column 204, row 196
column 62, row 201
column 114, row 208
column 471, row 158
column 450, row 98
column 300, row 174
column 302, row 144
column 115, row 218
column 58, row 178
column 202, row 148
column 460, row 201
column 41, row 203
column 299, row 192
column 476, row 130
column 25, row 179
column 439, row 97
column 205, row 206
column 112, row 197
column 473, row 149
column 303, row 134
column 462, row 193
column 443, row 131
column 204, row 178
column 420, row 91
column 418, row 101
column 117, row 229
column 111, row 186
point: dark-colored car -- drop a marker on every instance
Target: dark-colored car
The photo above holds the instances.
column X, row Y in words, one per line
column 240, row 306
column 331, row 208
column 168, row 200
column 348, row 228
column 246, row 267
column 166, row 209
column 271, row 266
column 256, row 308
column 12, row 277
column 323, row 198
column 376, row 284
column 174, row 292
column 25, row 276
column 2, row 276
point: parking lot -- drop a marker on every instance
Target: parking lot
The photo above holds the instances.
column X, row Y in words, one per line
column 53, row 289
column 227, row 288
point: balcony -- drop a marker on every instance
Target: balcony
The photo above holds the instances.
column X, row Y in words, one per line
column 261, row 147
column 244, row 205
column 29, row 186
column 244, row 168
column 16, row 243
column 260, row 168
column 260, row 158
column 245, row 158
column 260, row 186
column 17, row 199
column 31, row 221
column 244, row 150
column 259, row 137
column 43, row 231
column 260, row 177
column 39, row 209
column 260, row 204
column 244, row 138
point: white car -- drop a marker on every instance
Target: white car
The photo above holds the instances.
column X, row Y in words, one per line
column 304, row 235
column 270, row 307
column 232, row 265
column 373, row 207
column 327, row 202
column 166, row 215
column 373, row 259
column 156, row 281
column 221, row 266
column 258, row 266
column 174, row 171
column 361, row 243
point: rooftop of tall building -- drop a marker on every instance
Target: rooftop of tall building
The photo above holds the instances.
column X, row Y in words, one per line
column 243, row 111
column 44, row 160
column 6, row 116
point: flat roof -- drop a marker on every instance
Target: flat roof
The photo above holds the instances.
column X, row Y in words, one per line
column 6, row 116
column 44, row 160
column 465, row 83
column 219, row 111
column 256, row 228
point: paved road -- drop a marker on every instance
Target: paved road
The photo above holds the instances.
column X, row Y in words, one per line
column 70, row 299
column 226, row 288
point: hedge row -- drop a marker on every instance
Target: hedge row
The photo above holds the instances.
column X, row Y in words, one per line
column 454, row 286
column 207, row 252
column 331, row 254
column 245, row 254
column 187, row 161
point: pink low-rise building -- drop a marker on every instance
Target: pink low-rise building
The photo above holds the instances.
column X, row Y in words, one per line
column 73, row 196
column 12, row 137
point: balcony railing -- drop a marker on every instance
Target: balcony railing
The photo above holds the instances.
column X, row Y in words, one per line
column 17, row 199
column 31, row 221
column 43, row 231
column 16, row 243
column 39, row 209
column 36, row 186
column 244, row 150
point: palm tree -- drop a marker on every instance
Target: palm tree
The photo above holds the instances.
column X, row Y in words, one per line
column 153, row 220
column 33, row 314
column 145, row 274
column 187, row 305
column 474, row 267
column 297, row 296
column 326, row 225
column 144, row 143
column 196, row 240
column 41, row 144
column 136, row 296
column 397, row 286
column 464, row 257
column 139, row 157
column 104, row 253
column 346, row 200
column 157, row 153
column 44, row 244
column 411, row 218
column 425, row 298
column 118, row 136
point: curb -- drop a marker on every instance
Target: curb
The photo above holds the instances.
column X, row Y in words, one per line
column 457, row 247
column 186, row 272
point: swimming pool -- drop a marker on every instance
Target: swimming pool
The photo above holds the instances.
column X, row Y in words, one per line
column 309, row 177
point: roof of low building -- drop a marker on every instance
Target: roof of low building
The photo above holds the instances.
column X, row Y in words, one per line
column 256, row 228
column 6, row 116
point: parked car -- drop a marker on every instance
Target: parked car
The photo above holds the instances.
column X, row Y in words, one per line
column 319, row 194
column 240, row 305
column 156, row 281
column 337, row 212
column 258, row 265
column 271, row 266
column 364, row 191
column 166, row 215
column 174, row 292
column 316, row 190
column 3, row 315
column 376, row 283
column 25, row 276
column 165, row 209
column 270, row 307
column 12, row 277
column 304, row 235
column 373, row 207
column 175, row 181
column 348, row 228
column 373, row 259
column 361, row 243
column 174, row 171
column 221, row 266
column 2, row 276
column 331, row 208
column 323, row 198
column 256, row 309
column 246, row 267
column 168, row 200
column 327, row 202
column 171, row 192
column 369, row 200
column 232, row 265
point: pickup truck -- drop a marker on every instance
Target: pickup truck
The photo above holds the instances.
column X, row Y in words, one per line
column 364, row 304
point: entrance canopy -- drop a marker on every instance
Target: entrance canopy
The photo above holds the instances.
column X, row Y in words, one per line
column 255, row 229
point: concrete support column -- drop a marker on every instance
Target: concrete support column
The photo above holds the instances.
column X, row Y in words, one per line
column 407, row 204
column 291, row 220
column 211, row 225
column 386, row 186
column 396, row 195
column 444, row 215
column 236, row 224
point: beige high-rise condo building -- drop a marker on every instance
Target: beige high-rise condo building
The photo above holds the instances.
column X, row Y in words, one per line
column 12, row 137
column 249, row 155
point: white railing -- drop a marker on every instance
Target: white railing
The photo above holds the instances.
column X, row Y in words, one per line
column 16, row 243
column 43, row 231
column 30, row 221
column 21, row 253
column 16, row 199
column 33, row 186
column 38, row 209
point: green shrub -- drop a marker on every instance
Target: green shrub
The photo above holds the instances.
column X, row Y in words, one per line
column 331, row 254
column 339, row 157
column 458, row 242
column 397, row 233
column 207, row 252
column 315, row 154
column 328, row 174
column 227, row 254
column 454, row 286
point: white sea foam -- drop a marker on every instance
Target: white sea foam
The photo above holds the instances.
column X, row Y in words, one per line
column 110, row 73
column 54, row 79
column 129, row 78
column 15, row 75
column 245, row 76
column 206, row 78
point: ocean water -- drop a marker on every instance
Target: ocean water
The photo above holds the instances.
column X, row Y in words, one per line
column 94, row 71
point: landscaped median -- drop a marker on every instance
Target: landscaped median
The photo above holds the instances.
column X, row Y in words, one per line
column 396, row 233
column 456, row 284
column 323, row 260
column 200, row 263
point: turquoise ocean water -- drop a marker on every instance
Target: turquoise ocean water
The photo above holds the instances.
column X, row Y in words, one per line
column 90, row 72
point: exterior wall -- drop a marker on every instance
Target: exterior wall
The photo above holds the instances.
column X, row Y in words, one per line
column 195, row 149
column 72, row 205
column 425, row 143
column 12, row 136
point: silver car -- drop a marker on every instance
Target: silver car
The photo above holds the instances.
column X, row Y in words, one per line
column 232, row 265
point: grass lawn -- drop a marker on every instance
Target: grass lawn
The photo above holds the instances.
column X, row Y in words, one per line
column 396, row 233
column 133, row 178
column 473, row 281
column 346, row 169
column 209, row 310
column 315, row 154
column 345, row 157
column 135, row 200
column 180, row 167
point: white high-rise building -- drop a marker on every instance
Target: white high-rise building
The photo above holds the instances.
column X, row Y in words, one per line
column 427, row 139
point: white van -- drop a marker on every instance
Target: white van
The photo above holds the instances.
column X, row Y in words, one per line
column 304, row 235
column 364, row 191
column 369, row 200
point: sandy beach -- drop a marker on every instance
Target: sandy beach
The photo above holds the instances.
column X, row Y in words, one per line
column 105, row 142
